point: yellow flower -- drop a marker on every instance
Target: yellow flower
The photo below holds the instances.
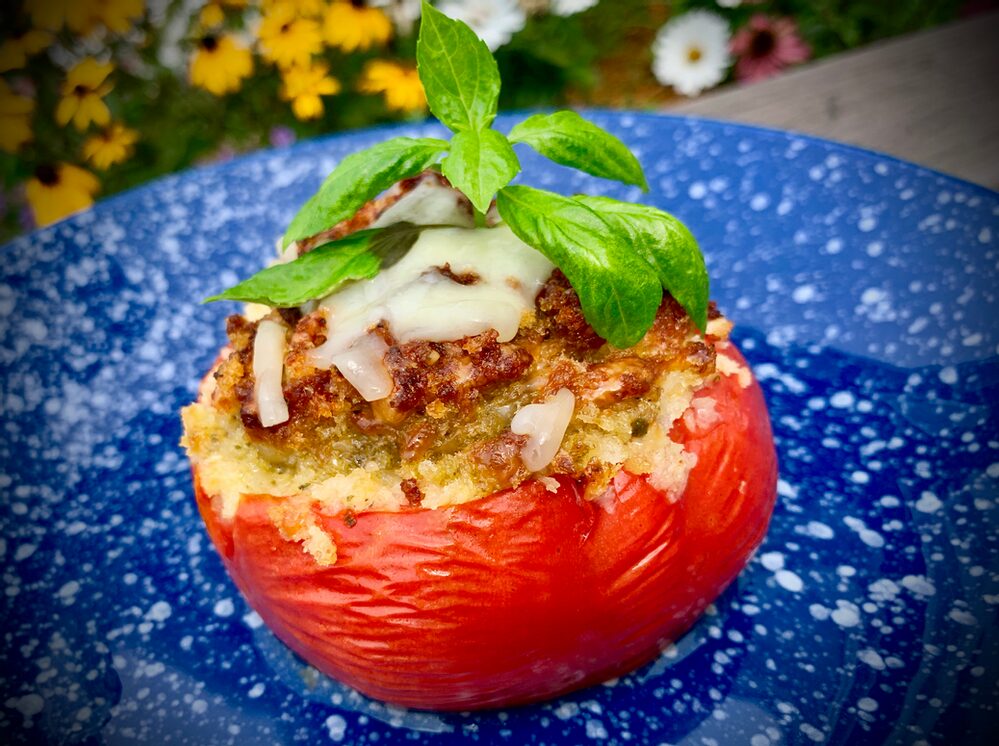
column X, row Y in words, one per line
column 15, row 119
column 303, row 86
column 400, row 84
column 112, row 146
column 308, row 8
column 287, row 39
column 82, row 95
column 14, row 52
column 60, row 190
column 220, row 64
column 83, row 16
column 356, row 27
column 211, row 16
column 78, row 15
column 119, row 15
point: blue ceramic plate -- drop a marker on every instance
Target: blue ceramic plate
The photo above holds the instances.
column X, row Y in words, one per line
column 864, row 290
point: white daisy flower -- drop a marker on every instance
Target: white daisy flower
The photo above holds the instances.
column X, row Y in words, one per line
column 404, row 13
column 571, row 7
column 690, row 52
column 495, row 21
column 729, row 3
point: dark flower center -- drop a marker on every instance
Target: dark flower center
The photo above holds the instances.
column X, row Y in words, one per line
column 358, row 3
column 285, row 27
column 80, row 90
column 47, row 174
column 209, row 43
column 762, row 44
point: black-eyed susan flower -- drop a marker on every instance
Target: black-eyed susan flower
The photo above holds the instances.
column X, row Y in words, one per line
column 15, row 119
column 287, row 38
column 111, row 146
column 16, row 50
column 400, row 84
column 353, row 26
column 304, row 86
column 58, row 190
column 83, row 94
column 219, row 64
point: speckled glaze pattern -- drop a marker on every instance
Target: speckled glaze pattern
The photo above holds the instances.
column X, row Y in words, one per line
column 864, row 290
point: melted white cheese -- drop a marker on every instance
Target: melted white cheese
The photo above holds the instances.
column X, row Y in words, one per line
column 544, row 425
column 268, row 367
column 362, row 364
column 417, row 302
column 428, row 203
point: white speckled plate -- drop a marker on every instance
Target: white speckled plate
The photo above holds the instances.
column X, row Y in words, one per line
column 864, row 290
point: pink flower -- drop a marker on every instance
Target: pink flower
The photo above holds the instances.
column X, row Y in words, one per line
column 281, row 137
column 765, row 46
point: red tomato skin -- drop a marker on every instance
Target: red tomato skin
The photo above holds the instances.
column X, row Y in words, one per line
column 524, row 594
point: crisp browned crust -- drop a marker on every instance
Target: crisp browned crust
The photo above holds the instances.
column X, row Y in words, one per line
column 452, row 373
column 442, row 388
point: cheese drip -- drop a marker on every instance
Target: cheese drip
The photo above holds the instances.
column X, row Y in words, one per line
column 417, row 300
column 268, row 368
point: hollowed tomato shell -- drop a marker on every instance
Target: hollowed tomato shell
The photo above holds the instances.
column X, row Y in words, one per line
column 524, row 594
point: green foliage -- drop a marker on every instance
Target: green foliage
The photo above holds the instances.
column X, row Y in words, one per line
column 618, row 293
column 666, row 245
column 312, row 275
column 360, row 177
column 322, row 270
column 481, row 162
column 568, row 139
column 459, row 73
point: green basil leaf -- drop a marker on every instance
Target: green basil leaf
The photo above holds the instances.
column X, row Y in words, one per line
column 480, row 163
column 312, row 275
column 360, row 177
column 391, row 243
column 667, row 245
column 568, row 139
column 618, row 292
column 458, row 72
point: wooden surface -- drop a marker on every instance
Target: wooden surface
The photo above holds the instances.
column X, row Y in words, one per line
column 931, row 98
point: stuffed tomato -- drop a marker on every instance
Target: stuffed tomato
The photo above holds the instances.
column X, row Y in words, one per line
column 523, row 594
column 441, row 486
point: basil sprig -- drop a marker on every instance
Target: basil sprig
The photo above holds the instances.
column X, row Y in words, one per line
column 317, row 273
column 667, row 246
column 618, row 256
column 360, row 177
column 481, row 162
column 618, row 294
column 459, row 74
column 568, row 139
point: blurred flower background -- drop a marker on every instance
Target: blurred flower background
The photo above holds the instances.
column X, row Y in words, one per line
column 97, row 96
